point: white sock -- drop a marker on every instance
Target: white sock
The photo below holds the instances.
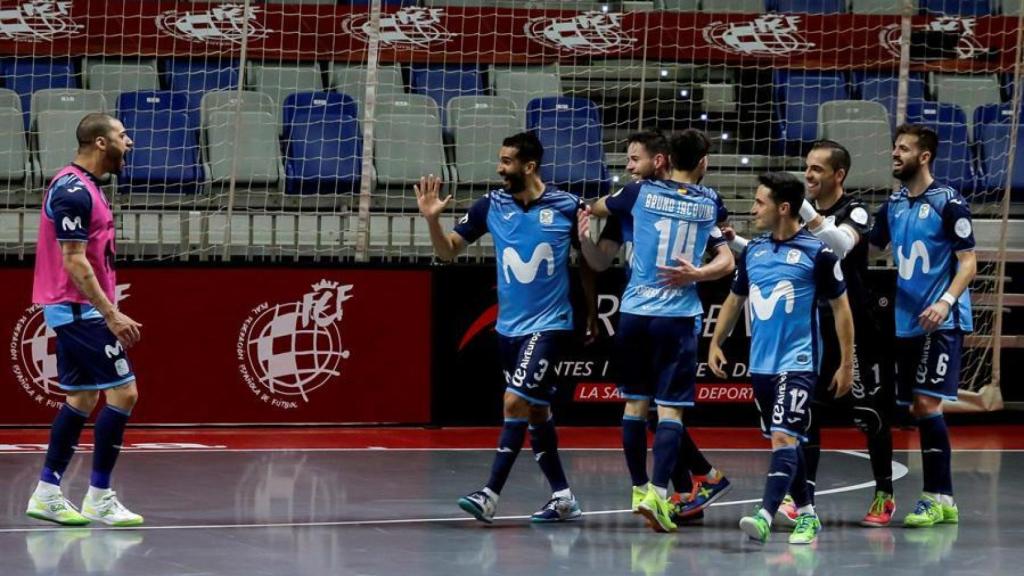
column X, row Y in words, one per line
column 47, row 489
column 946, row 499
column 491, row 493
column 713, row 474
column 808, row 509
column 660, row 491
column 567, row 494
column 95, row 493
column 930, row 496
column 764, row 514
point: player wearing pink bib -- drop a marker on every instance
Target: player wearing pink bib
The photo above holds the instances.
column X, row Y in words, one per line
column 75, row 284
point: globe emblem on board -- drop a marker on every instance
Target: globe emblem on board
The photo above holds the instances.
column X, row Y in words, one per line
column 36, row 345
column 38, row 21
column 768, row 35
column 221, row 24
column 587, row 33
column 288, row 350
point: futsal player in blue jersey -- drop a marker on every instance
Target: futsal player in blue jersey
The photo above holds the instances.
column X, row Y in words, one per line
column 784, row 273
column 534, row 227
column 674, row 223
column 929, row 227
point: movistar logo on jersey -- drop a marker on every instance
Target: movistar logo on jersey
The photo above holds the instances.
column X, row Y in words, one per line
column 526, row 272
column 764, row 308
column 906, row 264
column 71, row 225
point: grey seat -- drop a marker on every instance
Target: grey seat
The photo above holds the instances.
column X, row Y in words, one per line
column 863, row 128
column 407, row 104
column 966, row 91
column 68, row 100
column 351, row 80
column 112, row 78
column 56, row 143
column 259, row 157
column 1011, row 7
column 878, row 6
column 280, row 81
column 13, row 152
column 228, row 100
column 734, row 6
column 409, row 146
column 523, row 85
column 479, row 124
column 9, row 99
column 678, row 5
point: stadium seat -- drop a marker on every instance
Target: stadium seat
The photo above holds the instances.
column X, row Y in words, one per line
column 68, row 99
column 1011, row 7
column 409, row 146
column 442, row 83
column 14, row 165
column 479, row 124
column 883, row 87
column 875, row 7
column 56, row 142
column 992, row 125
column 967, row 92
column 524, row 84
column 734, row 6
column 165, row 157
column 559, row 108
column 953, row 163
column 957, row 7
column 316, row 105
column 351, row 80
column 798, row 95
column 28, row 75
column 863, row 128
column 113, row 77
column 9, row 99
column 678, row 5
column 258, row 157
column 231, row 100
column 281, row 80
column 574, row 157
column 407, row 104
column 808, row 6
column 324, row 153
column 195, row 78
column 157, row 100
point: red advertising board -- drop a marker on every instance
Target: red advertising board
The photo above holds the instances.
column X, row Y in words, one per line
column 245, row 346
column 499, row 36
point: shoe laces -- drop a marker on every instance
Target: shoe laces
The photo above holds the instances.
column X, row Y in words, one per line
column 878, row 506
column 109, row 500
column 556, row 504
column 923, row 506
column 804, row 522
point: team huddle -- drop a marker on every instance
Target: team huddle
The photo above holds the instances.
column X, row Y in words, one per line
column 814, row 335
column 815, row 339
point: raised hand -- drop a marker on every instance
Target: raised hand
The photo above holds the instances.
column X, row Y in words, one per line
column 583, row 223
column 428, row 197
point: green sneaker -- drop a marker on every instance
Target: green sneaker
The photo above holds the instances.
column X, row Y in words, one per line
column 656, row 510
column 927, row 512
column 806, row 531
column 950, row 514
column 638, row 496
column 54, row 508
column 756, row 526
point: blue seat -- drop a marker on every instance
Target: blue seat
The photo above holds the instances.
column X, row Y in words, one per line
column 27, row 75
column 798, row 95
column 953, row 163
column 573, row 156
column 324, row 154
column 883, row 87
column 165, row 158
column 992, row 125
column 442, row 83
column 957, row 7
column 807, row 6
column 317, row 104
column 195, row 78
column 157, row 101
column 557, row 108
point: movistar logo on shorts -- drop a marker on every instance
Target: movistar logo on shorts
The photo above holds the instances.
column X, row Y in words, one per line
column 526, row 272
column 764, row 308
column 906, row 264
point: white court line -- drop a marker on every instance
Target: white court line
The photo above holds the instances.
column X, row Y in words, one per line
column 898, row 472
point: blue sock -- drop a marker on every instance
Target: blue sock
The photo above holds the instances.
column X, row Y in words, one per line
column 513, row 433
column 936, row 454
column 634, row 445
column 799, row 489
column 780, row 476
column 666, row 451
column 109, row 436
column 64, row 433
column 544, row 441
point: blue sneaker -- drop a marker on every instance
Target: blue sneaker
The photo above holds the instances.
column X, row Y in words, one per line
column 704, row 494
column 479, row 505
column 560, row 509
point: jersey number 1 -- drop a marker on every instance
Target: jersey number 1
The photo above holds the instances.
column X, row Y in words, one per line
column 682, row 248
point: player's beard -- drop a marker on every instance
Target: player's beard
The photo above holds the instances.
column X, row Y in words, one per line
column 516, row 183
column 115, row 160
column 907, row 172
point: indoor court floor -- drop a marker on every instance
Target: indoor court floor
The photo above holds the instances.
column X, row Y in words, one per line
column 382, row 502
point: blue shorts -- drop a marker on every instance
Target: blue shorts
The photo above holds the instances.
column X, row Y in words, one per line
column 784, row 402
column 89, row 357
column 656, row 357
column 928, row 365
column 529, row 363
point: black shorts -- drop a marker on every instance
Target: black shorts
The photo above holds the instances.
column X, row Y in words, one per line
column 656, row 358
column 89, row 357
column 529, row 363
column 928, row 365
column 872, row 370
column 784, row 402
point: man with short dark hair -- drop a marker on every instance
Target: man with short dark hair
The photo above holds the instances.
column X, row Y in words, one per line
column 784, row 273
column 533, row 226
column 929, row 227
column 75, row 284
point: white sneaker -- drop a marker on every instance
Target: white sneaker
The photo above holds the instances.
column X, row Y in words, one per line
column 54, row 507
column 109, row 510
column 480, row 505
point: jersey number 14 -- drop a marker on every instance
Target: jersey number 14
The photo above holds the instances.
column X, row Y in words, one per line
column 682, row 248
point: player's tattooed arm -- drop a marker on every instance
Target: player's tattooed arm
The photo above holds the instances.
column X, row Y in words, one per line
column 78, row 267
column 446, row 245
column 727, row 319
column 842, row 381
